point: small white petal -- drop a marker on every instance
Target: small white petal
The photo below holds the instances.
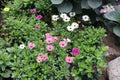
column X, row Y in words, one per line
column 72, row 14
column 63, row 15
column 75, row 25
column 22, row 46
column 66, row 19
column 69, row 28
column 55, row 17
column 85, row 18
column 67, row 40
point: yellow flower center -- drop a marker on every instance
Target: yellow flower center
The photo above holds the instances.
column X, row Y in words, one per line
column 6, row 9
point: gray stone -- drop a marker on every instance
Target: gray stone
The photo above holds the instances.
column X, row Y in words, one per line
column 114, row 69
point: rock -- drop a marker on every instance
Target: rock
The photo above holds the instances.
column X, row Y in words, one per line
column 114, row 69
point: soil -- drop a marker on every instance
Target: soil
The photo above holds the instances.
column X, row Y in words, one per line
column 113, row 49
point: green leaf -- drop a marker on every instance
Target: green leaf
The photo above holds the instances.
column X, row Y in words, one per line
column 77, row 8
column 94, row 3
column 1, row 62
column 110, row 25
column 78, row 78
column 84, row 4
column 56, row 1
column 116, row 30
column 65, row 7
column 114, row 15
column 6, row 75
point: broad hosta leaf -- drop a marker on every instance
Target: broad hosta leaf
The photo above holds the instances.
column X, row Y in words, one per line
column 56, row 1
column 77, row 1
column 94, row 3
column 77, row 8
column 84, row 4
column 110, row 25
column 114, row 15
column 65, row 7
column 116, row 30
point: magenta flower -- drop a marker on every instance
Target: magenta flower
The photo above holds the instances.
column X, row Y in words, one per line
column 49, row 40
column 31, row 45
column 69, row 59
column 32, row 11
column 62, row 44
column 39, row 17
column 50, row 47
column 94, row 68
column 37, row 28
column 75, row 51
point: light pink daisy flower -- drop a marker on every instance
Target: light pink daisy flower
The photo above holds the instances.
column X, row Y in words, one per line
column 62, row 44
column 39, row 17
column 48, row 35
column 31, row 45
column 39, row 60
column 50, row 47
column 55, row 38
column 32, row 11
column 37, row 28
column 69, row 59
column 49, row 40
column 44, row 57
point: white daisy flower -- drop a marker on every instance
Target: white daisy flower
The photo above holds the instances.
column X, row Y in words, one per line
column 75, row 25
column 63, row 15
column 55, row 17
column 67, row 40
column 72, row 14
column 85, row 18
column 66, row 19
column 70, row 28
column 22, row 46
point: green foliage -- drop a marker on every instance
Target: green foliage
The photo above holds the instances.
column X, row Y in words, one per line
column 20, row 7
column 5, row 57
column 20, row 28
column 114, row 16
column 75, row 5
column 22, row 64
column 91, row 54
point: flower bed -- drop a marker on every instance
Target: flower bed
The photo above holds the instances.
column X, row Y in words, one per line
column 35, row 51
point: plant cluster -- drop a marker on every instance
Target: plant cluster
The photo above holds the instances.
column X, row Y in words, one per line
column 106, row 11
column 35, row 51
column 112, row 15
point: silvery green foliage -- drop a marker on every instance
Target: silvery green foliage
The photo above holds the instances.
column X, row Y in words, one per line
column 76, row 5
column 114, row 16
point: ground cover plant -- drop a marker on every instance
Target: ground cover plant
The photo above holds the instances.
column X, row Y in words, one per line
column 35, row 50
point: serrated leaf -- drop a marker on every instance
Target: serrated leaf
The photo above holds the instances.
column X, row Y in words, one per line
column 94, row 3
